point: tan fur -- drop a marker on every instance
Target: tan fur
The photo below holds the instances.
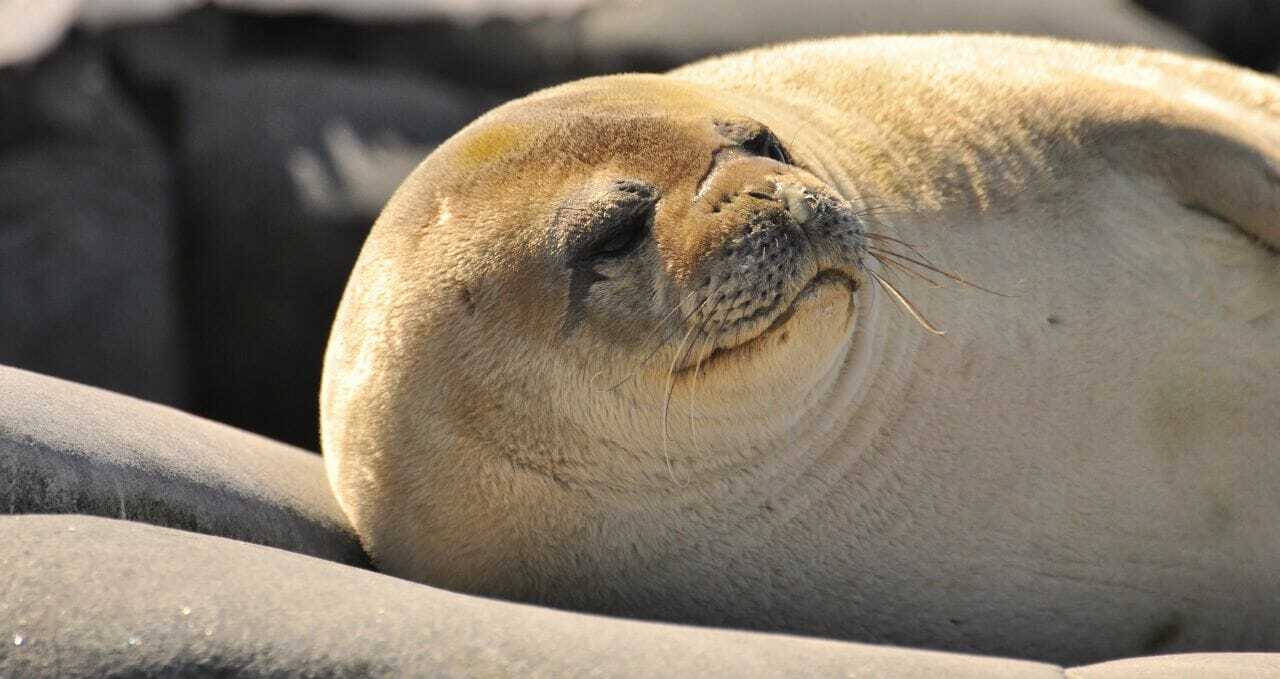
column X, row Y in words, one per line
column 1082, row 469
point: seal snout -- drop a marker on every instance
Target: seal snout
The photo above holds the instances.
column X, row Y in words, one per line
column 784, row 240
column 800, row 203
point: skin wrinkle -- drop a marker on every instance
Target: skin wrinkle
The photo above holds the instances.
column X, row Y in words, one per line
column 834, row 470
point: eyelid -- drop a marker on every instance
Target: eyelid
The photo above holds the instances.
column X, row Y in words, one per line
column 607, row 222
column 754, row 138
column 629, row 225
column 765, row 143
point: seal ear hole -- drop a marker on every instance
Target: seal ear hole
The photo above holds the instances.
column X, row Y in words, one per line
column 765, row 144
column 467, row 301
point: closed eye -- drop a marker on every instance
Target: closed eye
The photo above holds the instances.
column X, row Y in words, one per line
column 621, row 234
column 766, row 145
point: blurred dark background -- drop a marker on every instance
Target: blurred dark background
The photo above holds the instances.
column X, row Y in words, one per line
column 182, row 197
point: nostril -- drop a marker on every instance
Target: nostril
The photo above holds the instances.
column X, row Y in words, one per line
column 760, row 195
column 800, row 203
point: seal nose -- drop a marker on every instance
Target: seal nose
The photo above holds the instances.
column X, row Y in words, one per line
column 800, row 203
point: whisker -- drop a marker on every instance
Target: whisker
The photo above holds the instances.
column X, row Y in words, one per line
column 903, row 268
column 948, row 274
column 915, row 251
column 867, row 209
column 666, row 403
column 881, row 236
column 874, row 249
column 906, row 304
column 657, row 347
column 693, row 385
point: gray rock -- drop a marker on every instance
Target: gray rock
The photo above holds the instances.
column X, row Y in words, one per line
column 664, row 33
column 68, row 448
column 86, row 596
column 284, row 168
column 88, row 248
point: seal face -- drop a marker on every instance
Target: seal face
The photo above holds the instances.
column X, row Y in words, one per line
column 758, row 237
column 659, row 248
column 629, row 345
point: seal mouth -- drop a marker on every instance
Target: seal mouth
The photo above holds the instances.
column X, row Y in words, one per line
column 822, row 279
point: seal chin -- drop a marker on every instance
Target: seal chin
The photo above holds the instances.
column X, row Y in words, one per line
column 827, row 296
column 813, row 293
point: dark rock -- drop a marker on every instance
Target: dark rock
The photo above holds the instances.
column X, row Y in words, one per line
column 155, row 62
column 87, row 238
column 661, row 34
column 1245, row 31
column 284, row 169
column 493, row 55
column 68, row 448
column 91, row 597
column 289, row 133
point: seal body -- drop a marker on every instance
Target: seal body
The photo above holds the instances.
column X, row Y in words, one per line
column 659, row 346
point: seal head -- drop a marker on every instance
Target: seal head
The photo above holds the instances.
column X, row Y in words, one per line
column 660, row 268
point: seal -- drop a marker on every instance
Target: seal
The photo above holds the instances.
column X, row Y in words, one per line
column 963, row 342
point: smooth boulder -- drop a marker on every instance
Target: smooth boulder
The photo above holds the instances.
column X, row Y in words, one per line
column 67, row 448
column 88, row 596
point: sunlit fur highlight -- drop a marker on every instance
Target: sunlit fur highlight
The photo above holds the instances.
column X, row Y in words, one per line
column 1083, row 467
